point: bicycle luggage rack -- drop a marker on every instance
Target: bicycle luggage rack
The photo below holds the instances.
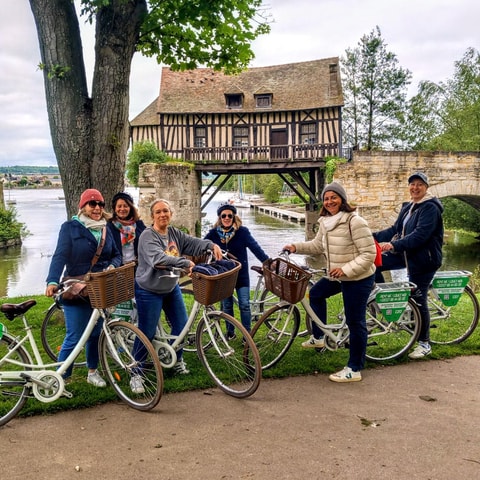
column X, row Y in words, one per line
column 449, row 285
column 392, row 298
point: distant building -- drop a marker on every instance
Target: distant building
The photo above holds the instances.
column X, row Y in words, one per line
column 290, row 111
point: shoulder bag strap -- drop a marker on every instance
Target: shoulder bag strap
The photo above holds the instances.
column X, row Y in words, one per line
column 99, row 248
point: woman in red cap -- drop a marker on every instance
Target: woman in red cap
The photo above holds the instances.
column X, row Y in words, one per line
column 77, row 244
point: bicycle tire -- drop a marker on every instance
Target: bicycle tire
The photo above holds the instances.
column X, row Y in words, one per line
column 275, row 332
column 53, row 332
column 125, row 338
column 451, row 325
column 233, row 365
column 390, row 340
column 13, row 394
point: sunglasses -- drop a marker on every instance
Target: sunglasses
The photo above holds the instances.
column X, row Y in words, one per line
column 94, row 203
column 227, row 215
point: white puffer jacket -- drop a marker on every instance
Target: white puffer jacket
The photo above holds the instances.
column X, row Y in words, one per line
column 347, row 245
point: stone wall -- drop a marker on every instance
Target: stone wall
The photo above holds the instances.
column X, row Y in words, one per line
column 177, row 183
column 377, row 182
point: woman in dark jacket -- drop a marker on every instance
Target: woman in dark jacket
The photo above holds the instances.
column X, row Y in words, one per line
column 126, row 226
column 415, row 241
column 77, row 244
column 229, row 234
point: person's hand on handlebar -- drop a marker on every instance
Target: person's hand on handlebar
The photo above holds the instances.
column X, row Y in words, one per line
column 217, row 252
column 290, row 248
column 51, row 290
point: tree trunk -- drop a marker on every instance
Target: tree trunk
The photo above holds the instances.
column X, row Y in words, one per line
column 89, row 134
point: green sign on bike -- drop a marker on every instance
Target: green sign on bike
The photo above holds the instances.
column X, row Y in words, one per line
column 124, row 310
column 450, row 289
column 392, row 303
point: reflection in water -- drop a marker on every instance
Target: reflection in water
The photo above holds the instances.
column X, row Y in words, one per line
column 23, row 270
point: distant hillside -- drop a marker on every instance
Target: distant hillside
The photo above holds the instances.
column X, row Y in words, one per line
column 29, row 170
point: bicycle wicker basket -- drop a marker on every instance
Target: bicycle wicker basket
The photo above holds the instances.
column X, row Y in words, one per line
column 285, row 279
column 111, row 287
column 208, row 289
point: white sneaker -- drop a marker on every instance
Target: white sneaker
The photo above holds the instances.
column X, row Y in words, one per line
column 313, row 342
column 420, row 351
column 136, row 384
column 180, row 368
column 96, row 380
column 345, row 375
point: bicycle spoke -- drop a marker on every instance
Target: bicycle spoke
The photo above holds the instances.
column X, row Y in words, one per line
column 128, row 358
column 453, row 324
column 233, row 365
column 13, row 392
column 388, row 340
column 274, row 333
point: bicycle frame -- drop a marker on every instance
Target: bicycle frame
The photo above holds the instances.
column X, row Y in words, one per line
column 38, row 368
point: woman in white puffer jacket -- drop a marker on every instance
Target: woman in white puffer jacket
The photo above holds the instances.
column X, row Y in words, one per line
column 346, row 243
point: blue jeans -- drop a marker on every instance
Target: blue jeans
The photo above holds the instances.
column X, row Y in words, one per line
column 243, row 295
column 76, row 320
column 150, row 306
column 421, row 280
column 355, row 296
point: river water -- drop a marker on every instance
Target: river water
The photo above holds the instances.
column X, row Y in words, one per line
column 23, row 269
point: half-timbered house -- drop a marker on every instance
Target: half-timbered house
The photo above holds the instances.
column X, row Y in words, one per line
column 284, row 112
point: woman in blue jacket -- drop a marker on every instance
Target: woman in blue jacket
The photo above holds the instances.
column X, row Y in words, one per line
column 229, row 234
column 415, row 241
column 125, row 226
column 77, row 244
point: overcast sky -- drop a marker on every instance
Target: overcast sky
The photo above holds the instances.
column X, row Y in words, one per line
column 427, row 36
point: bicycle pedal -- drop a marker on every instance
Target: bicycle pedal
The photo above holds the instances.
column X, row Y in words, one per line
column 67, row 394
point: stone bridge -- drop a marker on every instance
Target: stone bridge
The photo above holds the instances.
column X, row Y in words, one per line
column 377, row 182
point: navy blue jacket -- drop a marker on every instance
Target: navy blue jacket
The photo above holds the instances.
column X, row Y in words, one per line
column 139, row 228
column 76, row 246
column 422, row 237
column 237, row 246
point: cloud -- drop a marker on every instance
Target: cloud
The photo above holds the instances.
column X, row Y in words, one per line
column 427, row 36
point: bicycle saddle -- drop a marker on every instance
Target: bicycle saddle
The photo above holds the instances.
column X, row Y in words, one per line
column 12, row 310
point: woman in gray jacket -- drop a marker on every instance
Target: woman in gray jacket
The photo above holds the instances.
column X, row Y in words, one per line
column 346, row 242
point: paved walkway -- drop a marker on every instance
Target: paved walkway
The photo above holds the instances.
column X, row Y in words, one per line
column 418, row 420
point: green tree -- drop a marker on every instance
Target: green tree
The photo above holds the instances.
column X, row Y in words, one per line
column 143, row 152
column 90, row 131
column 375, row 89
column 446, row 116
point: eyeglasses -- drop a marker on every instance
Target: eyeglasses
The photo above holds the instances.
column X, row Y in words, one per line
column 227, row 215
column 94, row 203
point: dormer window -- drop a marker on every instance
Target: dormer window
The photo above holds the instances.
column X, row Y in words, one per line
column 234, row 100
column 263, row 100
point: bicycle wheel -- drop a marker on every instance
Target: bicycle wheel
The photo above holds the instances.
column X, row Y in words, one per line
column 14, row 393
column 233, row 365
column 388, row 340
column 121, row 367
column 53, row 332
column 449, row 325
column 275, row 332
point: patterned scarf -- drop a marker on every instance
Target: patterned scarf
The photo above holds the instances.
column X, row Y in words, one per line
column 225, row 235
column 127, row 230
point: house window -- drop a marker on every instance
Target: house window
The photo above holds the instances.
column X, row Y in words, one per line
column 240, row 136
column 234, row 100
column 263, row 101
column 308, row 133
column 200, row 140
